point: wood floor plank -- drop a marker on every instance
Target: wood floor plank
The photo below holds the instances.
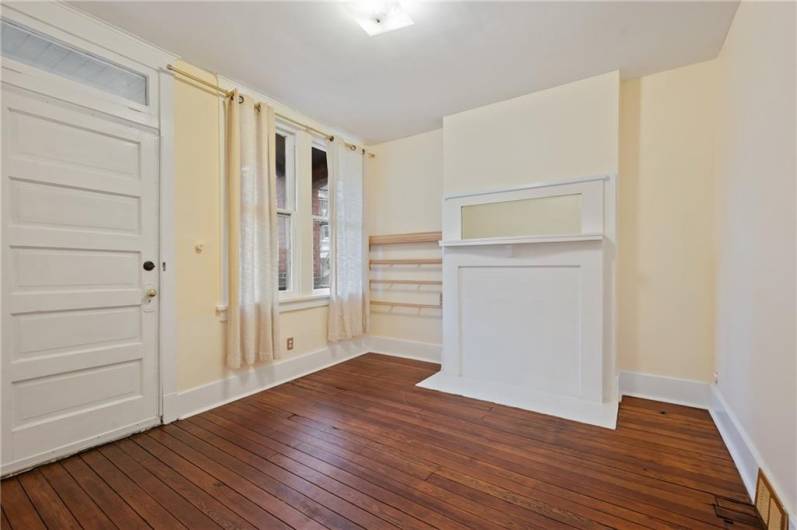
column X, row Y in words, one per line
column 112, row 505
column 173, row 502
column 246, row 507
column 315, row 502
column 204, row 502
column 51, row 508
column 255, row 442
column 274, row 462
column 75, row 498
column 148, row 508
column 17, row 506
column 359, row 446
column 406, row 486
column 257, row 492
column 555, row 496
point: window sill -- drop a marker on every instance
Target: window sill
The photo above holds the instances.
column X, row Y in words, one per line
column 297, row 303
column 287, row 304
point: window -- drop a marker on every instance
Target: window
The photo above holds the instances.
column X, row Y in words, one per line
column 286, row 206
column 320, row 208
column 28, row 47
column 305, row 251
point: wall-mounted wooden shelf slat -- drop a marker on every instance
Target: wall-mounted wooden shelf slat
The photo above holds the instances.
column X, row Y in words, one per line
column 435, row 263
column 422, row 261
column 405, row 304
column 399, row 239
column 410, row 282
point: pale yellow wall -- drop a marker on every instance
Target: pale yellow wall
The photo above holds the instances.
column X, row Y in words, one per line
column 756, row 167
column 200, row 334
column 563, row 132
column 665, row 223
column 405, row 184
column 404, row 190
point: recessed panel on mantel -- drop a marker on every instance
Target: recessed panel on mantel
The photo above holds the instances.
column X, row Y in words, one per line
column 537, row 216
column 521, row 325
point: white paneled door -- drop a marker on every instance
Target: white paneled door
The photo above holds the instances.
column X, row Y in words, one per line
column 80, row 278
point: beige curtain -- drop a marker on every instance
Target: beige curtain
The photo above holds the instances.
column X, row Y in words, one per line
column 252, row 309
column 348, row 303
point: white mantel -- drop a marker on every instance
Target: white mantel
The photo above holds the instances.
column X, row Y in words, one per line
column 527, row 319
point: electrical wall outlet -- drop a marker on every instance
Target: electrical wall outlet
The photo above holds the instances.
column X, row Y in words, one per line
column 716, row 377
column 290, row 343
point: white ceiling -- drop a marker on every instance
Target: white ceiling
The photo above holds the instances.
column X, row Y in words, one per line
column 314, row 57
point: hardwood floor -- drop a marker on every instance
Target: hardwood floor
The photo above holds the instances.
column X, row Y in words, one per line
column 359, row 446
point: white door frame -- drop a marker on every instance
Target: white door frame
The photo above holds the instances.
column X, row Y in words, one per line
column 82, row 31
column 167, row 341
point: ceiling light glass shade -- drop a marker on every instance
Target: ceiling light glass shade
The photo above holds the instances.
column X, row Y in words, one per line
column 377, row 17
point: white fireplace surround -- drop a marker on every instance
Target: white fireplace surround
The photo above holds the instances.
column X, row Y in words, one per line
column 527, row 319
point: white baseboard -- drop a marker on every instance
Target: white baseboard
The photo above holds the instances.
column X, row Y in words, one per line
column 199, row 399
column 744, row 453
column 409, row 349
column 669, row 389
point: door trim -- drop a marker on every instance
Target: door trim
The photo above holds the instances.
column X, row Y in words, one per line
column 167, row 341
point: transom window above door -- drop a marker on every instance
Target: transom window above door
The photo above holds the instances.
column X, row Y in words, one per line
column 28, row 47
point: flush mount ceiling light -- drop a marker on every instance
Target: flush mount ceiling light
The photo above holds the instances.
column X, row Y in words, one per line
column 377, row 17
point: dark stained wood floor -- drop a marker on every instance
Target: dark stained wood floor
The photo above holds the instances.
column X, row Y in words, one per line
column 359, row 446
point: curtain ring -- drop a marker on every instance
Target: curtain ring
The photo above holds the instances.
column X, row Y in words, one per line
column 240, row 98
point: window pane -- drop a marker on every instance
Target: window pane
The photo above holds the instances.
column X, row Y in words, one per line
column 284, row 228
column 321, row 252
column 282, row 179
column 320, row 210
column 35, row 50
column 320, row 184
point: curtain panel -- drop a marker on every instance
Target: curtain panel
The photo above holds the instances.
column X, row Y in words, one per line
column 252, row 244
column 348, row 297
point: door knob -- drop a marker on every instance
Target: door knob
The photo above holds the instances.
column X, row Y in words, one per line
column 151, row 292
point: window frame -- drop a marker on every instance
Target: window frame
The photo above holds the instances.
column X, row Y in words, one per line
column 302, row 293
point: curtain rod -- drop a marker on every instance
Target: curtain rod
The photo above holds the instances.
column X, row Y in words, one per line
column 228, row 93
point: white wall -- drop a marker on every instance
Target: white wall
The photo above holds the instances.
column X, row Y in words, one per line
column 404, row 188
column 563, row 132
column 756, row 350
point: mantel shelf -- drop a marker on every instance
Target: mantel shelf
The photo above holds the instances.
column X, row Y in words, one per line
column 522, row 240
